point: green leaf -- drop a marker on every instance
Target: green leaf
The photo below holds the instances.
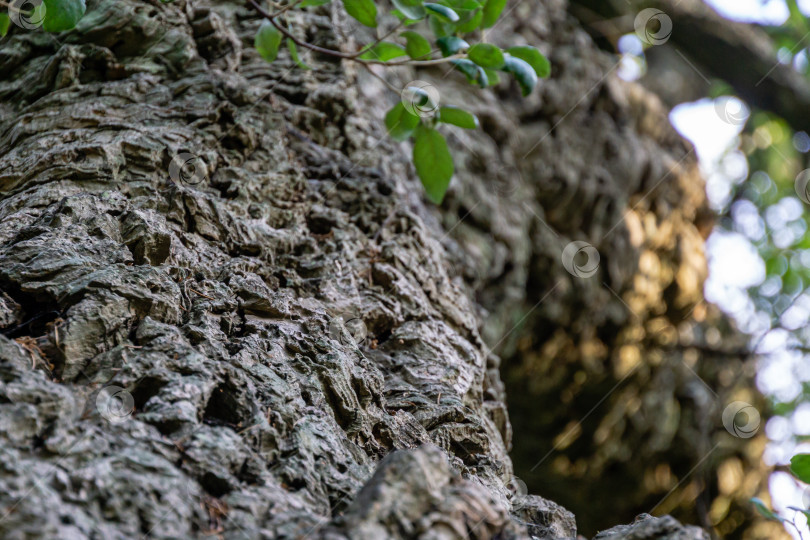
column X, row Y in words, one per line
column 470, row 24
column 419, row 99
column 267, row 41
column 450, row 45
column 462, row 5
column 523, row 73
column 439, row 28
column 433, row 162
column 776, row 265
column 62, row 15
column 5, row 22
column 492, row 10
column 384, row 51
column 533, row 57
column 443, row 13
column 412, row 9
column 800, row 467
column 492, row 77
column 458, row 117
column 763, row 509
column 294, row 54
column 400, row 123
column 417, row 46
column 475, row 74
column 365, row 11
column 469, row 69
column 313, row 3
column 486, row 55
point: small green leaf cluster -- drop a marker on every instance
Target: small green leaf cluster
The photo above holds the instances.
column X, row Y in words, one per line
column 431, row 158
column 268, row 41
column 800, row 468
column 443, row 31
column 450, row 21
column 53, row 15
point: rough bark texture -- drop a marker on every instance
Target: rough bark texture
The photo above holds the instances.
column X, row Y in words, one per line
column 282, row 339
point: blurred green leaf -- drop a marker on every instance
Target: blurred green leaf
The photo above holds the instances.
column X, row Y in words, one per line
column 364, row 11
column 417, row 46
column 413, row 9
column 475, row 74
column 492, row 10
column 294, row 54
column 450, row 45
column 486, row 55
column 61, row 15
column 443, row 13
column 5, row 21
column 384, row 51
column 523, row 73
column 267, row 41
column 800, row 467
column 533, row 57
column 471, row 24
column 400, row 123
column 458, row 117
column 433, row 162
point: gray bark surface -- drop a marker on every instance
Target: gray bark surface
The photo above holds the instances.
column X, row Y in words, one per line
column 288, row 341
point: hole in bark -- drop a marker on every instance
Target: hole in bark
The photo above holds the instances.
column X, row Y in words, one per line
column 223, row 407
column 383, row 336
column 320, row 224
column 214, row 485
column 37, row 312
column 146, row 389
column 296, row 484
column 167, row 427
column 384, row 188
column 291, row 94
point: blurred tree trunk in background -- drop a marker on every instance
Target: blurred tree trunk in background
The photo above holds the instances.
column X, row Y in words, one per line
column 225, row 300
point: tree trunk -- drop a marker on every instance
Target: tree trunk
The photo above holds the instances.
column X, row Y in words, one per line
column 227, row 309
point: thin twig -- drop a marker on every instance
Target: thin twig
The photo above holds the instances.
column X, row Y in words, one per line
column 386, row 83
column 200, row 294
column 310, row 46
column 347, row 56
column 284, row 9
column 379, row 40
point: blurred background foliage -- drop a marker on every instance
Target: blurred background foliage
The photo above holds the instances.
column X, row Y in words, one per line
column 738, row 82
column 759, row 251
